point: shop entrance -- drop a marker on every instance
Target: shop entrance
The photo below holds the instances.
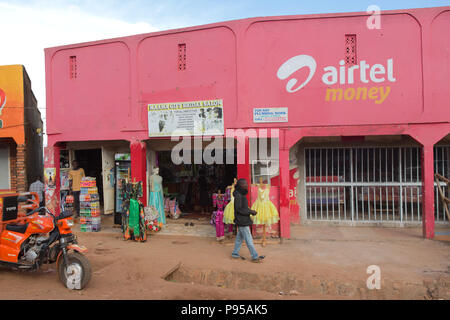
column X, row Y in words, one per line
column 91, row 162
column 193, row 185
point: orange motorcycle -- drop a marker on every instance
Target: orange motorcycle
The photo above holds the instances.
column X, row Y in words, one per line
column 39, row 237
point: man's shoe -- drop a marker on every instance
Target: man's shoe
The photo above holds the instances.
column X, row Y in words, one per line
column 240, row 257
column 259, row 259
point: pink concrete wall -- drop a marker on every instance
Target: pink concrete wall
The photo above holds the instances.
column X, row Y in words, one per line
column 96, row 104
column 210, row 69
column 269, row 44
column 238, row 61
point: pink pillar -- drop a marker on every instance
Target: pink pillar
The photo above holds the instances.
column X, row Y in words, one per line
column 243, row 169
column 139, row 166
column 428, row 191
column 285, row 228
column 52, row 197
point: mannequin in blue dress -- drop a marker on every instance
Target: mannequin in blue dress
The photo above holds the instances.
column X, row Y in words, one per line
column 156, row 194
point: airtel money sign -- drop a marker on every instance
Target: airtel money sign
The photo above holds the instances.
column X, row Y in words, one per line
column 343, row 75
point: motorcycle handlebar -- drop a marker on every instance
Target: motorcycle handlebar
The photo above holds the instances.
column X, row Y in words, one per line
column 38, row 209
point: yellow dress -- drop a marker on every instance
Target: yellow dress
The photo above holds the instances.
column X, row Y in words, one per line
column 228, row 214
column 267, row 212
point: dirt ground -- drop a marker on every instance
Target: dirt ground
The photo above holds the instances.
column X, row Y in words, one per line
column 316, row 263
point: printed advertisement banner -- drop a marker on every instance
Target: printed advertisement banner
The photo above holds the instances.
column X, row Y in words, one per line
column 264, row 115
column 49, row 178
column 186, row 118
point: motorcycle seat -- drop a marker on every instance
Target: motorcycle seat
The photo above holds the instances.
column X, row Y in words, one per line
column 19, row 228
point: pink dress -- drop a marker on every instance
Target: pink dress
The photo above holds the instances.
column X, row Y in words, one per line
column 220, row 203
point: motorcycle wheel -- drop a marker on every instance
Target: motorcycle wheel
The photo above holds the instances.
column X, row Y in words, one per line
column 77, row 274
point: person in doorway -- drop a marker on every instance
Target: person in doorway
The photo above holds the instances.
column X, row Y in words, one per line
column 38, row 187
column 75, row 176
column 243, row 222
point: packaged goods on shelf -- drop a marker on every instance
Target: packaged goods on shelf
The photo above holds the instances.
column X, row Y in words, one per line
column 69, row 203
column 90, row 220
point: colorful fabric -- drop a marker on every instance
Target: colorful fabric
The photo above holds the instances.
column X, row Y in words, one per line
column 220, row 227
column 267, row 212
column 157, row 200
column 133, row 218
column 220, row 203
column 228, row 215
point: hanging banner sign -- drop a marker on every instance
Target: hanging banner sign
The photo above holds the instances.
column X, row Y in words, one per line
column 264, row 115
column 192, row 118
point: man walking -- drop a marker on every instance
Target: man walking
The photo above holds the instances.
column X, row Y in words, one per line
column 242, row 220
column 75, row 176
column 38, row 187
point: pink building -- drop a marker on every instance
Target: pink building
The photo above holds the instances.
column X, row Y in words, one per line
column 360, row 116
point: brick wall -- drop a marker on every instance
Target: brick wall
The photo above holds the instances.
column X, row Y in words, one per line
column 21, row 172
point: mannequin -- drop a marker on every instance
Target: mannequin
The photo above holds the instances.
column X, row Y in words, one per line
column 267, row 212
column 156, row 194
column 228, row 216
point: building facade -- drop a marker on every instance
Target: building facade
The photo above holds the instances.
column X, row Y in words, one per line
column 357, row 118
column 21, row 150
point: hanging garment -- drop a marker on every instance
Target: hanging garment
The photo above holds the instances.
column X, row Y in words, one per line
column 133, row 218
column 157, row 200
column 228, row 215
column 220, row 227
column 267, row 212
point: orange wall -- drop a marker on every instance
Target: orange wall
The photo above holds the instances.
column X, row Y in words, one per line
column 12, row 113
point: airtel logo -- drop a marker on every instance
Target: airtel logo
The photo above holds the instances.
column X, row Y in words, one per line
column 294, row 64
column 332, row 75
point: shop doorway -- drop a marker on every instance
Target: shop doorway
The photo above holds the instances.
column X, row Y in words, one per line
column 193, row 185
column 91, row 162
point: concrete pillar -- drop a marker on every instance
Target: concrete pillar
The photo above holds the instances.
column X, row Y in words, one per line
column 138, row 155
column 301, row 188
column 285, row 227
column 52, row 196
column 428, row 191
column 243, row 159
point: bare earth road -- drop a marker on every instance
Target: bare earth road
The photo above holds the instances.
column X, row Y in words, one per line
column 317, row 263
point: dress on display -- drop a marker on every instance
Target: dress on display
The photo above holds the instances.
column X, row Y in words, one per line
column 228, row 215
column 157, row 200
column 220, row 204
column 267, row 212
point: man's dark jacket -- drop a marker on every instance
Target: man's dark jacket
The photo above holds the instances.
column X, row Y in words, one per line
column 241, row 210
